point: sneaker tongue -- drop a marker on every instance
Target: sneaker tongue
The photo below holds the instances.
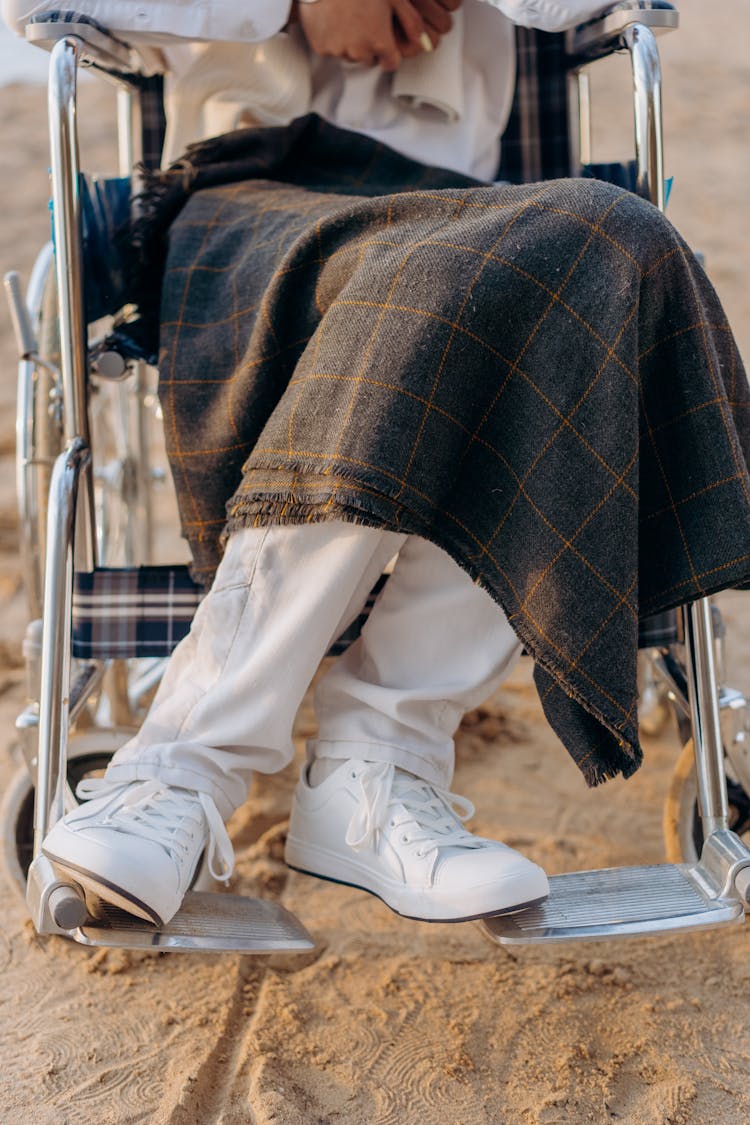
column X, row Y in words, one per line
column 411, row 790
column 433, row 810
column 411, row 794
column 417, row 797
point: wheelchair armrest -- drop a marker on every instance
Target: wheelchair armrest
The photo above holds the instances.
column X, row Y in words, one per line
column 602, row 35
column 101, row 49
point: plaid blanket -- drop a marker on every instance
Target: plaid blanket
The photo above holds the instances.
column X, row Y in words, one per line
column 539, row 379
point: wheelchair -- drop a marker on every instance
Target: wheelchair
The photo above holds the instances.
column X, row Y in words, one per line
column 103, row 617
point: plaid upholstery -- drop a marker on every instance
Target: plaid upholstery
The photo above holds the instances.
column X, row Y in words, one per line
column 536, row 143
column 143, row 611
column 130, row 612
column 350, row 635
column 521, row 374
column 153, row 119
column 67, row 16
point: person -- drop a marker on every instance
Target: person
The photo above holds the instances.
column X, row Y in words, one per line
column 308, row 380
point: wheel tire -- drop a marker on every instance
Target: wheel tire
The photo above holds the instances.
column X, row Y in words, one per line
column 679, row 810
column 47, row 425
column 88, row 756
column 683, row 830
column 116, row 509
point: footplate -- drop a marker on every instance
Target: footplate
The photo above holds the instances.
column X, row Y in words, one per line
column 619, row 902
column 205, row 923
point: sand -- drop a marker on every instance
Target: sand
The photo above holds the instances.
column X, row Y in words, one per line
column 390, row 1020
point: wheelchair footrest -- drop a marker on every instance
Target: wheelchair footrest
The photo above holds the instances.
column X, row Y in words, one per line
column 205, row 923
column 619, row 902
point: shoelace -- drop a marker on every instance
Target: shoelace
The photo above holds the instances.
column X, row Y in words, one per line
column 158, row 812
column 433, row 810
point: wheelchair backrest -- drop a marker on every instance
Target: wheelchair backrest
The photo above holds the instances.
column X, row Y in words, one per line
column 536, row 142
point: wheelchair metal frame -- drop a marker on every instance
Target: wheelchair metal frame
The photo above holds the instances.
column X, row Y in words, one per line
column 58, row 907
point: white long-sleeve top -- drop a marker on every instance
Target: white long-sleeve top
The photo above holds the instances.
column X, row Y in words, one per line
column 231, row 61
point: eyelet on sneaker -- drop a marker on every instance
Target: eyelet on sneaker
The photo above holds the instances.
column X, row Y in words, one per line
column 353, row 775
column 404, row 839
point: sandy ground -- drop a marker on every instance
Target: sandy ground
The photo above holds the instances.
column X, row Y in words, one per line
column 390, row 1020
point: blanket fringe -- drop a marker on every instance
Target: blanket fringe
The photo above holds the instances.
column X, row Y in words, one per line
column 598, row 766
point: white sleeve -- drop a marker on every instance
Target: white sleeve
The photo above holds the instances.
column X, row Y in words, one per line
column 237, row 21
column 550, row 15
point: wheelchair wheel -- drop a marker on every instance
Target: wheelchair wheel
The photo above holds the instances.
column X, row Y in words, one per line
column 47, row 399
column 683, row 831
column 120, row 414
column 118, row 421
column 38, row 424
column 88, row 756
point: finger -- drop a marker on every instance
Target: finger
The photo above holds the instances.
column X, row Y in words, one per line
column 409, row 20
column 362, row 57
column 385, row 55
column 427, row 41
column 410, row 48
column 407, row 48
column 389, row 58
column 385, row 47
column 435, row 16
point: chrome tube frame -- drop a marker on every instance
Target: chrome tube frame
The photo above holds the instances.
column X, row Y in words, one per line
column 67, row 236
column 143, row 468
column 66, row 476
column 584, row 120
column 705, row 716
column 55, row 685
column 640, row 41
column 701, row 672
column 71, row 530
column 135, row 390
column 599, row 37
column 128, row 130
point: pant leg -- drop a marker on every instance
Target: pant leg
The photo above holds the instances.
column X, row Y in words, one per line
column 434, row 646
column 231, row 689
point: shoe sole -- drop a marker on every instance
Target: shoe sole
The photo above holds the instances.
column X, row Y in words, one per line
column 106, row 890
column 515, row 909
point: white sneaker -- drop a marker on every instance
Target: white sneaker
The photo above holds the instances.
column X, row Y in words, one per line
column 137, row 844
column 383, row 830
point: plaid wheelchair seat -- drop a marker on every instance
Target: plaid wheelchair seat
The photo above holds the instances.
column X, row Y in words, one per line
column 135, row 611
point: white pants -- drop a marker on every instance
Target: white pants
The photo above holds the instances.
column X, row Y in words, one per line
column 434, row 646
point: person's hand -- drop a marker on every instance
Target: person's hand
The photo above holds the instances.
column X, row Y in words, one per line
column 436, row 15
column 437, row 20
column 373, row 32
